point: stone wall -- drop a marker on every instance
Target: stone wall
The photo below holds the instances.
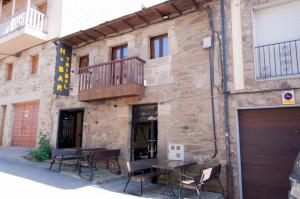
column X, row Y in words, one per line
column 26, row 87
column 179, row 83
column 257, row 93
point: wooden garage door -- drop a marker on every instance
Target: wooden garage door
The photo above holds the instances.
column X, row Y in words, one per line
column 25, row 124
column 269, row 141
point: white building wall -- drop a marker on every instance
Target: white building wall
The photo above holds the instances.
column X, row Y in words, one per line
column 81, row 14
column 277, row 23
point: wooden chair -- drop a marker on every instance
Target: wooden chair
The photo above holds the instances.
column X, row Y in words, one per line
column 197, row 182
column 137, row 171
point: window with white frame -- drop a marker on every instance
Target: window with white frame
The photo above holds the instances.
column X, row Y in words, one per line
column 277, row 40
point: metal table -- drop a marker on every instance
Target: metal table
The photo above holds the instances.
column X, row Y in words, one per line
column 169, row 167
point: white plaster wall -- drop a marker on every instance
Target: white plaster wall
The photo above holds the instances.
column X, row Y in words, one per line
column 79, row 15
column 277, row 23
column 53, row 18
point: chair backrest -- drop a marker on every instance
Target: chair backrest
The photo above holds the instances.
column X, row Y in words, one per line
column 64, row 152
column 140, row 164
column 211, row 173
column 216, row 170
column 105, row 154
column 88, row 151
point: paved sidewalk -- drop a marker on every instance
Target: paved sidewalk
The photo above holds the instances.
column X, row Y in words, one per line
column 20, row 177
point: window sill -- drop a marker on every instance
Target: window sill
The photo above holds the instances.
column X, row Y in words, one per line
column 160, row 60
column 278, row 78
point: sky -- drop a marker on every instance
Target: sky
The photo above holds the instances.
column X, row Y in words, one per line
column 83, row 14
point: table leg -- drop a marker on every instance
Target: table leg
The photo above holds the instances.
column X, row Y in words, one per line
column 169, row 189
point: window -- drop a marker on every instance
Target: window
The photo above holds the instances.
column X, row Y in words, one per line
column 277, row 40
column 10, row 68
column 84, row 61
column 119, row 52
column 34, row 64
column 159, row 46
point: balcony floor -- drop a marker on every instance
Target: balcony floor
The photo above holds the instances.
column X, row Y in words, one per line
column 116, row 91
column 16, row 42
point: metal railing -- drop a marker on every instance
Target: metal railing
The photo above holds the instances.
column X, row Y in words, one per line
column 124, row 71
column 27, row 17
column 278, row 59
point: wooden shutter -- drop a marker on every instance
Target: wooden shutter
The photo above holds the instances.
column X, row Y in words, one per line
column 34, row 64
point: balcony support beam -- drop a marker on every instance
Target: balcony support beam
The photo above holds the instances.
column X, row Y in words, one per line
column 1, row 4
column 28, row 7
column 13, row 7
column 28, row 4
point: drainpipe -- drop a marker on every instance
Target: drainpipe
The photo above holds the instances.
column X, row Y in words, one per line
column 230, row 193
column 211, row 68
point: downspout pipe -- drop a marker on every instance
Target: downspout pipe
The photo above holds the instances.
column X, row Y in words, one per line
column 212, row 82
column 230, row 193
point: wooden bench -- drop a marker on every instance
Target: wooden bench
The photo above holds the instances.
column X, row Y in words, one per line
column 97, row 156
column 137, row 171
column 61, row 155
column 66, row 154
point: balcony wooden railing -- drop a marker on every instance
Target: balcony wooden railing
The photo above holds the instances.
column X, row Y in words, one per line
column 113, row 79
column 27, row 17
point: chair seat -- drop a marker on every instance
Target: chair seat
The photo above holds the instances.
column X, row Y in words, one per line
column 69, row 157
column 145, row 176
column 188, row 185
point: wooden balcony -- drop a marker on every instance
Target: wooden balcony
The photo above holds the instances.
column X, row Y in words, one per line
column 120, row 78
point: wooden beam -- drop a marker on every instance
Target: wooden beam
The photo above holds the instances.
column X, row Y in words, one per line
column 195, row 4
column 99, row 32
column 88, row 36
column 112, row 28
column 71, row 42
column 79, row 39
column 142, row 18
column 175, row 8
column 158, row 12
column 128, row 24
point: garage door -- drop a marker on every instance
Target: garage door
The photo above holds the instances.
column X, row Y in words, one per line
column 25, row 124
column 269, row 142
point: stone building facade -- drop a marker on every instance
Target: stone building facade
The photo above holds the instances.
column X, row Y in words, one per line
column 255, row 94
column 177, row 83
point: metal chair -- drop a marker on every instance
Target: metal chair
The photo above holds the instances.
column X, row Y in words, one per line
column 197, row 182
column 136, row 172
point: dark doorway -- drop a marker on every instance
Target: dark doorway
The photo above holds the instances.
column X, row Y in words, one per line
column 70, row 128
column 144, row 132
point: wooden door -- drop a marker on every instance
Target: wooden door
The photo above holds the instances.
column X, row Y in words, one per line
column 270, row 142
column 118, row 72
column 70, row 129
column 25, row 124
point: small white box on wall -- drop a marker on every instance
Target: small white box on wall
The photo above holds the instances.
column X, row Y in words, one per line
column 176, row 152
column 206, row 42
